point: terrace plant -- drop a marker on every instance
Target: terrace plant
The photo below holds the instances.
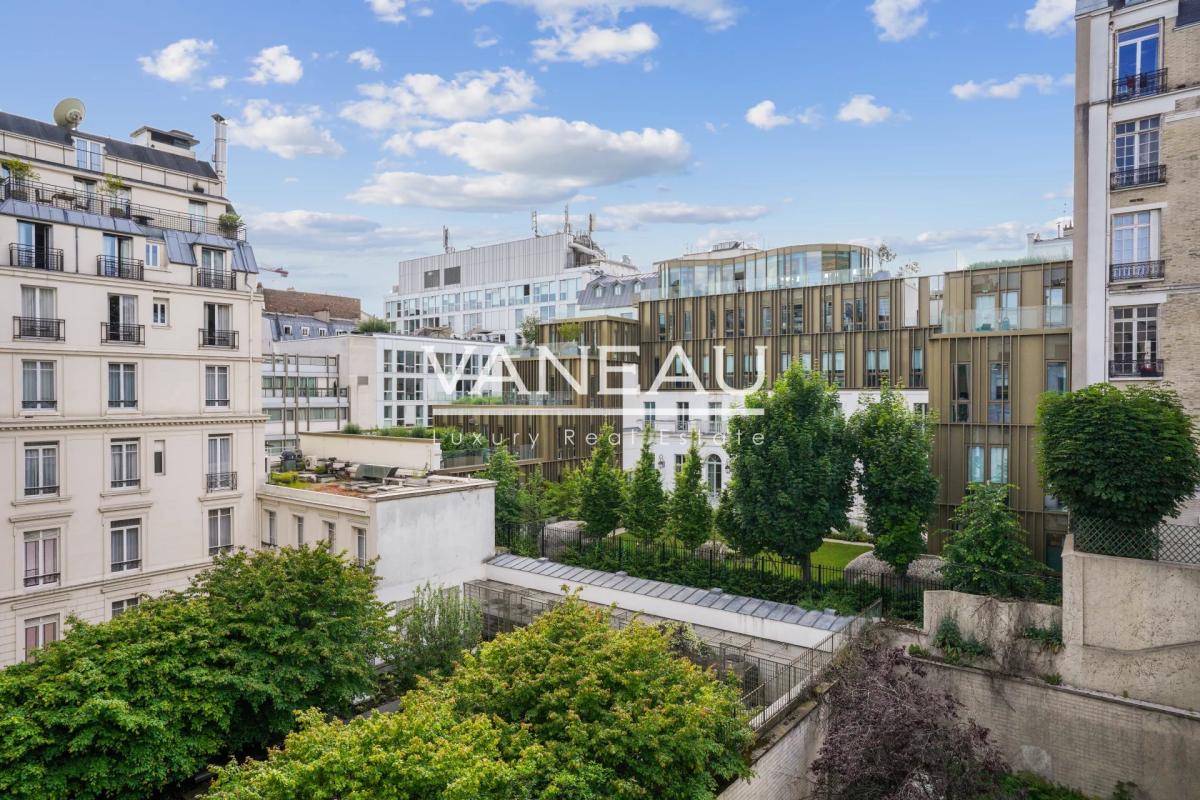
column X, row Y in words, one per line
column 985, row 551
column 19, row 170
column 569, row 332
column 529, row 330
column 373, row 324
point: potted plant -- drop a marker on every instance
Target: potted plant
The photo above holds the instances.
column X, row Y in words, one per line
column 116, row 189
column 529, row 330
column 229, row 223
column 19, row 173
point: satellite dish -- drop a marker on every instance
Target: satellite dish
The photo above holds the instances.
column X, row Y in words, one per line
column 69, row 112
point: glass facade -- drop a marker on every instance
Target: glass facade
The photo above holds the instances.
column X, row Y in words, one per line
column 784, row 268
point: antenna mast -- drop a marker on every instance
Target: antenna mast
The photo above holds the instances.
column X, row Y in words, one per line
column 533, row 221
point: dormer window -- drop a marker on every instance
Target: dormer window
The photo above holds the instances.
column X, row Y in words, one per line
column 89, row 155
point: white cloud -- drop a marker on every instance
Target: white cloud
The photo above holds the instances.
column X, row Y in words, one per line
column 276, row 65
column 388, row 10
column 179, row 61
column 485, row 37
column 366, row 59
column 291, row 179
column 329, row 231
column 1065, row 193
column 714, row 128
column 1010, row 89
column 528, row 161
column 269, row 127
column 765, row 117
column 419, row 97
column 898, row 20
column 218, row 82
column 635, row 215
column 594, row 45
column 1050, row 17
column 997, row 238
column 718, row 14
column 400, row 143
column 862, row 109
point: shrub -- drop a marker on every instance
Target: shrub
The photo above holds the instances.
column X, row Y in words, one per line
column 351, row 427
column 1050, row 638
column 283, row 478
column 567, row 707
column 435, row 628
column 124, row 708
column 955, row 648
column 851, row 533
column 600, row 492
column 986, row 553
column 373, row 325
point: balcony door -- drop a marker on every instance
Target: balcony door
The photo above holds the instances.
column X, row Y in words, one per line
column 1137, row 51
column 33, row 245
column 117, row 252
column 37, row 303
column 122, row 312
column 220, row 455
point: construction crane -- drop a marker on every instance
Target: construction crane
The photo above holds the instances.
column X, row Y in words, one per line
column 280, row 271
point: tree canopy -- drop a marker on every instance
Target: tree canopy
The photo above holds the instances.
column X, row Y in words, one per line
column 897, row 484
column 567, row 707
column 689, row 515
column 503, row 470
column 792, row 469
column 986, row 552
column 124, row 708
column 601, row 488
column 645, row 502
column 1122, row 456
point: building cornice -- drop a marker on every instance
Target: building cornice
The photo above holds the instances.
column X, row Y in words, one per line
column 124, row 423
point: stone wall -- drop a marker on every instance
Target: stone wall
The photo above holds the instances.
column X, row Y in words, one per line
column 781, row 763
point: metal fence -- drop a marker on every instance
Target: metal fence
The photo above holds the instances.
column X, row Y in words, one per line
column 1164, row 542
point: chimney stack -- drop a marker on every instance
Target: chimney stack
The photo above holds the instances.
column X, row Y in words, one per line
column 220, row 146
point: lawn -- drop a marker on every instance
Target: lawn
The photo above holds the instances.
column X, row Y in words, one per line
column 838, row 554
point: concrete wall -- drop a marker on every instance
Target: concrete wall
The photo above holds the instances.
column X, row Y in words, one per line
column 1132, row 627
column 1078, row 738
column 423, row 455
column 781, row 764
column 996, row 623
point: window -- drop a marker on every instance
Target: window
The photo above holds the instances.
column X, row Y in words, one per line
column 1135, row 341
column 768, row 327
column 304, row 330
column 432, row 278
column 682, row 416
column 119, row 607
column 679, row 458
column 715, row 473
column 961, row 393
column 330, row 532
column 1135, row 237
column 975, row 464
column 287, row 330
column 1056, row 376
column 159, row 314
column 220, row 459
column 39, row 632
column 360, row 546
column 124, row 460
column 797, row 318
column 648, row 413
column 827, row 316
column 220, row 530
column 38, row 319
column 122, row 386
column 999, row 409
column 154, row 254
column 216, row 386
column 1137, row 63
column 125, row 538
column 999, row 465
column 885, row 313
column 41, row 469
column 714, row 418
column 89, row 155
column 41, row 558
column 299, row 524
column 160, row 457
column 37, row 385
column 452, row 276
column 1135, row 145
column 271, row 530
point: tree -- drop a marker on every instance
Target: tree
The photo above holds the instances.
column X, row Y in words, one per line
column 532, row 497
column 373, row 325
column 1125, row 457
column 562, row 498
column 600, row 494
column 503, row 470
column 889, row 737
column 436, row 626
column 569, row 331
column 689, row 515
column 529, row 330
column 892, row 443
column 152, row 696
column 986, row 552
column 567, row 707
column 645, row 501
column 792, row 469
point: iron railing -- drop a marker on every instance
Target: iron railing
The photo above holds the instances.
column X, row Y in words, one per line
column 1137, row 271
column 1163, row 542
column 92, row 202
column 113, row 332
column 1144, row 84
column 220, row 481
column 126, row 483
column 131, row 269
column 41, row 491
column 916, row 379
column 125, row 566
column 34, row 257
column 1137, row 176
column 210, row 337
column 1139, row 368
column 213, row 278
column 39, row 328
column 874, row 378
column 45, row 579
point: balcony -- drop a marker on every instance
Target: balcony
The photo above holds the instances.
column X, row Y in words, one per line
column 1144, row 84
column 126, row 566
column 91, row 202
column 213, row 279
column 33, row 257
column 43, row 328
column 874, row 378
column 1135, row 368
column 220, row 481
column 226, row 340
column 1137, row 176
column 1003, row 320
column 916, row 378
column 116, row 333
column 130, row 269
column 1136, row 271
column 45, row 579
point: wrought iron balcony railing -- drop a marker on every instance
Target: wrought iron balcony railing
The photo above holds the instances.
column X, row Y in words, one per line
column 1136, row 271
column 220, row 481
column 93, row 202
column 53, row 330
column 213, row 279
column 33, row 257
column 130, row 269
column 1144, row 84
column 45, row 579
column 1138, row 176
column 210, row 337
column 1135, row 368
column 117, row 333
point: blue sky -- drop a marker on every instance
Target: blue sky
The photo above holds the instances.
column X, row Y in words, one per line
column 361, row 127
